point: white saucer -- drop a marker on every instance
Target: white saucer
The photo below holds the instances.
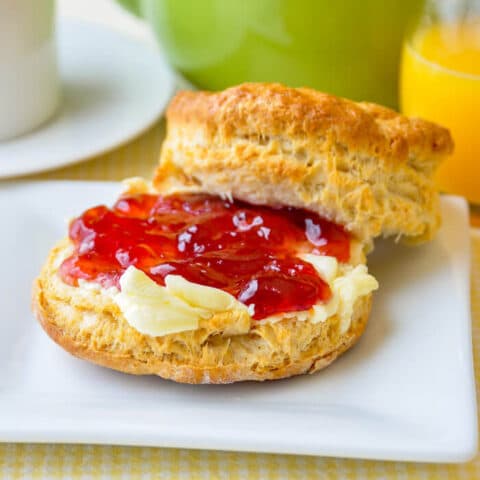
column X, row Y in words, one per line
column 113, row 87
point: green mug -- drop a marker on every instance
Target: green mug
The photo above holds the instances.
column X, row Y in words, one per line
column 347, row 47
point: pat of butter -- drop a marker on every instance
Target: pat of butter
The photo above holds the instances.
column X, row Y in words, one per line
column 346, row 290
column 178, row 306
column 209, row 298
column 349, row 288
column 326, row 267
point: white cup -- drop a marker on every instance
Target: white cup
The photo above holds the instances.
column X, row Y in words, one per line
column 29, row 85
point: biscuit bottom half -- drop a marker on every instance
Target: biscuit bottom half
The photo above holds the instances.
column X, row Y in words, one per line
column 88, row 324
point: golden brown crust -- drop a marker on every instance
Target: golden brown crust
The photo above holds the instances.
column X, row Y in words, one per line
column 273, row 109
column 360, row 164
column 89, row 325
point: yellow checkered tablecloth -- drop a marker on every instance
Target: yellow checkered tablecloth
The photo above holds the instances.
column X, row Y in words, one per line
column 25, row 461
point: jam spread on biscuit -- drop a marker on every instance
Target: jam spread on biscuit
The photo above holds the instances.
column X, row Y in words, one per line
column 246, row 250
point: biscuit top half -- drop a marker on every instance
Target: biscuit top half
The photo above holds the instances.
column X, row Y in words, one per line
column 359, row 164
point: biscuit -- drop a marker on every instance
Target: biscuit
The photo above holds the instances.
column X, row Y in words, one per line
column 88, row 324
column 358, row 164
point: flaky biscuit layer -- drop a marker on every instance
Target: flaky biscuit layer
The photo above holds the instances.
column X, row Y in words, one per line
column 359, row 164
column 89, row 324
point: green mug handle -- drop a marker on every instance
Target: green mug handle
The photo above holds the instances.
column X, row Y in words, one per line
column 133, row 6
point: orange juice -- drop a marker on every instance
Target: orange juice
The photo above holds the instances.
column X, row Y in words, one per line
column 440, row 81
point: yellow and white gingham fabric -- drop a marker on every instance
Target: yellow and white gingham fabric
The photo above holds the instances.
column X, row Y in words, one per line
column 88, row 462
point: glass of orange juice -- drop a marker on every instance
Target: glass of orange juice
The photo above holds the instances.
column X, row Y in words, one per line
column 440, row 81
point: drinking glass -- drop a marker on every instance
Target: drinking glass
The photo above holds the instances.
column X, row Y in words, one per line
column 440, row 81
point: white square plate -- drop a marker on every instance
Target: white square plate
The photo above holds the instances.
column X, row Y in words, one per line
column 405, row 392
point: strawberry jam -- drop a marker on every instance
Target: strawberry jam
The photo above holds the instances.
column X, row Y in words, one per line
column 246, row 250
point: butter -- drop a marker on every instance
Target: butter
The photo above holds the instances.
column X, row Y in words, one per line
column 326, row 267
column 209, row 298
column 348, row 284
column 181, row 305
column 178, row 306
column 348, row 288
